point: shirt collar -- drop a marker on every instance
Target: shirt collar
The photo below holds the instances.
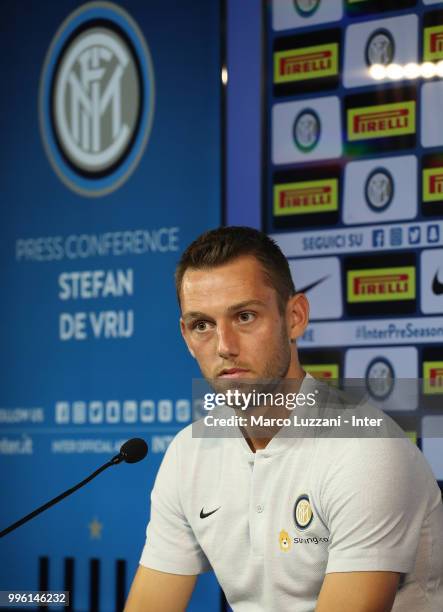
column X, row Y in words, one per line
column 285, row 437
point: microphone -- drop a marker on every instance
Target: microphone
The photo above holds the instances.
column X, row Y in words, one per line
column 132, row 451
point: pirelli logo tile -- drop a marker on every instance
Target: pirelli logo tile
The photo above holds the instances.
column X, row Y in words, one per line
column 309, row 197
column 433, row 184
column 381, row 121
column 432, row 373
column 381, row 284
column 433, row 377
column 325, row 364
column 306, row 63
column 433, row 43
column 328, row 372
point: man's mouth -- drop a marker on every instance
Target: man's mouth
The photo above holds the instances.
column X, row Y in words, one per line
column 233, row 373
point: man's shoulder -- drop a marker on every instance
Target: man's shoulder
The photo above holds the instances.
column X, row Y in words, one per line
column 372, row 433
column 386, row 456
column 354, row 403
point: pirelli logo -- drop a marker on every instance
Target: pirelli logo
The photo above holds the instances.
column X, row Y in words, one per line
column 306, row 63
column 306, row 197
column 433, row 43
column 381, row 121
column 433, row 377
column 433, row 184
column 324, row 371
column 381, row 284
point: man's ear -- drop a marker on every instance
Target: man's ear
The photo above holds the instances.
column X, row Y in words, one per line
column 183, row 332
column 297, row 315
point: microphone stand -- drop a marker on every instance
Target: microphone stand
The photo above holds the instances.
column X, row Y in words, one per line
column 114, row 461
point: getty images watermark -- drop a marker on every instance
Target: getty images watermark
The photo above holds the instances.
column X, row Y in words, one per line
column 235, row 398
column 364, row 408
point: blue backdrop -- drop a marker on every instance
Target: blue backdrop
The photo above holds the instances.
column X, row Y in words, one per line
column 90, row 349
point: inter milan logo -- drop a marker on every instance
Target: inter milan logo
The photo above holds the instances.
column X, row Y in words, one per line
column 380, row 48
column 379, row 189
column 306, row 8
column 93, row 116
column 306, row 130
column 303, row 514
column 96, row 99
column 380, row 378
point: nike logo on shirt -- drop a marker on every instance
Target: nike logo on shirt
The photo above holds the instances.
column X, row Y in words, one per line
column 206, row 514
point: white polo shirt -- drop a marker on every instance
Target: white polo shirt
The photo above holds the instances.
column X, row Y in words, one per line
column 274, row 522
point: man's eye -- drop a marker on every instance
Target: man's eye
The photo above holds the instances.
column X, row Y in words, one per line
column 200, row 326
column 246, row 317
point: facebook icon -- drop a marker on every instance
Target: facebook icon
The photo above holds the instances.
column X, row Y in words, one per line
column 378, row 238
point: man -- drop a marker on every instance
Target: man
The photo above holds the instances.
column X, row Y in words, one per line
column 300, row 524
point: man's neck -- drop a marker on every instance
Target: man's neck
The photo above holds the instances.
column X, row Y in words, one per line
column 278, row 413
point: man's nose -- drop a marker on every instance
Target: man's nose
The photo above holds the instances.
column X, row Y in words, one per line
column 227, row 345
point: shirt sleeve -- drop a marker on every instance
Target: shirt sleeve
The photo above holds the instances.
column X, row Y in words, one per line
column 171, row 545
column 375, row 502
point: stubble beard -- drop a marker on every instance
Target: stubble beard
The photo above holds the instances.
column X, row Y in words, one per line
column 273, row 373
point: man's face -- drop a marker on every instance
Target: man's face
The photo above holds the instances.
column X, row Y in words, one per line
column 232, row 324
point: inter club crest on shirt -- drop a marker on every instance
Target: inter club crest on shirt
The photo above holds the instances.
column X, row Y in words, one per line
column 303, row 514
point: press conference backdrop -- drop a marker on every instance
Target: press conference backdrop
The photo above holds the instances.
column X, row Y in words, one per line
column 110, row 166
column 353, row 192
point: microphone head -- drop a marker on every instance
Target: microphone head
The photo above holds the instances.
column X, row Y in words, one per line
column 134, row 450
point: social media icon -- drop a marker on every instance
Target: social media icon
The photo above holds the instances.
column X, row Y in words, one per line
column 396, row 236
column 129, row 411
column 414, row 234
column 62, row 412
column 433, row 233
column 165, row 411
column 183, row 410
column 79, row 412
column 96, row 412
column 147, row 411
column 113, row 412
column 378, row 238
